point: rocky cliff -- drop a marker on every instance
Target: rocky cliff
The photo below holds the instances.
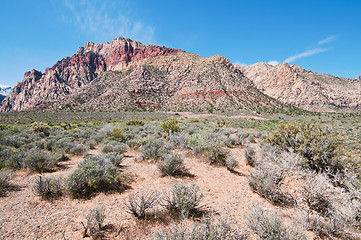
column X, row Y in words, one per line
column 73, row 73
column 294, row 85
column 126, row 75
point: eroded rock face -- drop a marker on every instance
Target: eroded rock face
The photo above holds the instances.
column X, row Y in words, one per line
column 294, row 85
column 73, row 73
column 125, row 74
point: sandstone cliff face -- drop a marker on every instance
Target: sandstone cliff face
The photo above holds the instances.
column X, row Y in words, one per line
column 125, row 74
column 185, row 82
column 294, row 85
column 73, row 73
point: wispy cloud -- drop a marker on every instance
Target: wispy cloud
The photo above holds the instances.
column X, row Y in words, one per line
column 305, row 54
column 310, row 52
column 240, row 63
column 105, row 20
column 274, row 62
column 328, row 40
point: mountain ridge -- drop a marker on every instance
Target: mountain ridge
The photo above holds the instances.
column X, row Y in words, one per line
column 291, row 84
column 126, row 75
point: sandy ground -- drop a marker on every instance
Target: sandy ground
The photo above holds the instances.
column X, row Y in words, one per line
column 26, row 216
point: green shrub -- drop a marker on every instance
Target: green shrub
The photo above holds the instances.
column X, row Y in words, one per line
column 171, row 165
column 40, row 127
column 134, row 122
column 115, row 158
column 117, row 133
column 48, row 187
column 138, row 203
column 38, row 160
column 207, row 229
column 78, row 150
column 231, row 163
column 250, row 155
column 184, row 199
column 114, row 146
column 216, row 154
column 170, row 125
column 5, row 178
column 272, row 227
column 266, row 180
column 16, row 159
column 320, row 149
column 95, row 173
column 95, row 221
column 153, row 149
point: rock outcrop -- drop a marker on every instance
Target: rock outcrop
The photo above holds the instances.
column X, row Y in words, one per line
column 72, row 73
column 294, row 85
column 358, row 77
column 125, row 74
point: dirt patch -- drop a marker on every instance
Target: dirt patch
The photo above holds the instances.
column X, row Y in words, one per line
column 26, row 216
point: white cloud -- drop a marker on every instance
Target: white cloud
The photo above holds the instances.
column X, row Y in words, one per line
column 274, row 62
column 328, row 40
column 240, row 63
column 306, row 54
column 105, row 20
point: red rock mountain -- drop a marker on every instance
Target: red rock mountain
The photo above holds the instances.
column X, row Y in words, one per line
column 294, row 85
column 125, row 74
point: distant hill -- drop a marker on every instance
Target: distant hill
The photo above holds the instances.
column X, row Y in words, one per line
column 294, row 85
column 127, row 75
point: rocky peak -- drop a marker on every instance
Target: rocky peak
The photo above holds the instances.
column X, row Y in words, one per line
column 312, row 91
column 358, row 77
column 72, row 73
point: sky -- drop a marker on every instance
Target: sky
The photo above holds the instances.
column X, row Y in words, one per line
column 320, row 36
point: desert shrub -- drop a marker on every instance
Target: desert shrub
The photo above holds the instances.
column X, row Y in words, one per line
column 5, row 178
column 270, row 226
column 153, row 149
column 95, row 173
column 106, row 130
column 251, row 138
column 5, row 153
column 64, row 143
column 207, row 229
column 117, row 133
column 114, row 158
column 231, row 162
column 184, row 199
column 40, row 127
column 216, row 154
column 171, row 164
column 179, row 140
column 78, row 150
column 170, row 125
column 114, row 146
column 38, row 160
column 138, row 203
column 250, row 155
column 330, row 209
column 48, row 187
column 91, row 143
column 15, row 159
column 95, row 221
column 320, row 149
column 135, row 122
column 266, row 180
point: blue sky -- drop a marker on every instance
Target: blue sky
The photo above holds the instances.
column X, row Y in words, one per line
column 321, row 36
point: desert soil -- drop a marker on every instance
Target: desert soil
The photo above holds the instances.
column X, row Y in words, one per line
column 26, row 216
